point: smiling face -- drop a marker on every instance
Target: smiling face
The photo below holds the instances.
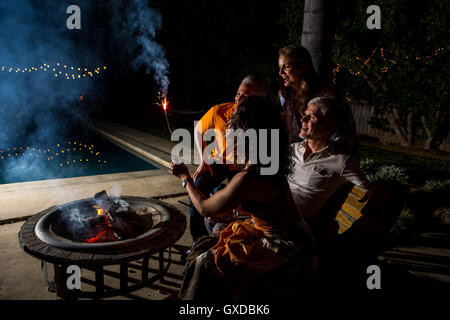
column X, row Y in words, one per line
column 286, row 72
column 314, row 125
column 290, row 71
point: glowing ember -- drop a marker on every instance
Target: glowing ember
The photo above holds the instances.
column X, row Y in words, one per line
column 103, row 236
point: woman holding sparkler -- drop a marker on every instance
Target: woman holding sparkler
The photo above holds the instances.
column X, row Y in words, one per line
column 255, row 246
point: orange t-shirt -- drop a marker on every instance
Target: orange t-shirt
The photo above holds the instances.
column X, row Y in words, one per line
column 217, row 119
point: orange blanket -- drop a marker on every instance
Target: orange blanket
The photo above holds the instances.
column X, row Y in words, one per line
column 240, row 248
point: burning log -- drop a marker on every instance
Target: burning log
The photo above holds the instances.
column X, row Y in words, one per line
column 104, row 201
column 114, row 220
column 92, row 222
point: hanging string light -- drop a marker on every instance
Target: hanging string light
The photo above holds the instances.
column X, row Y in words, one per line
column 62, row 154
column 388, row 62
column 70, row 72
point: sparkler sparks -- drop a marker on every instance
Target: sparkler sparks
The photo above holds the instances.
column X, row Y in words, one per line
column 164, row 104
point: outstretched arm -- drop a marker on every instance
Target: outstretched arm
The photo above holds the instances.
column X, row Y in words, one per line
column 222, row 202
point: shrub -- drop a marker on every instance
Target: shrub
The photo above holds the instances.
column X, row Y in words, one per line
column 389, row 174
column 437, row 185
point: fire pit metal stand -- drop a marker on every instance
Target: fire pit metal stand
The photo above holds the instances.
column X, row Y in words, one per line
column 59, row 286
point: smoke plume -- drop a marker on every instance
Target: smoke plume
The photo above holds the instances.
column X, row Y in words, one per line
column 38, row 105
column 135, row 24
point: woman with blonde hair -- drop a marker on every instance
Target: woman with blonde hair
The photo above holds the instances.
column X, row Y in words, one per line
column 299, row 83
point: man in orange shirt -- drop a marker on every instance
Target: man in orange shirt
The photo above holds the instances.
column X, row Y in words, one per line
column 208, row 177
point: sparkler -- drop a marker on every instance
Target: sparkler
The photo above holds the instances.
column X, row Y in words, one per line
column 175, row 159
column 164, row 105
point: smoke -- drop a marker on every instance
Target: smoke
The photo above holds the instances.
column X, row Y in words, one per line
column 38, row 108
column 135, row 25
column 72, row 219
column 115, row 191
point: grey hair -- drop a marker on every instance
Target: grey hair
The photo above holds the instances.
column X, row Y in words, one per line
column 327, row 106
column 258, row 84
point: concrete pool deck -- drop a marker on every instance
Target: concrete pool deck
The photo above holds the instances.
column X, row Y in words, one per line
column 21, row 274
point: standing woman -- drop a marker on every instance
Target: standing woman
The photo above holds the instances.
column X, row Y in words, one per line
column 299, row 83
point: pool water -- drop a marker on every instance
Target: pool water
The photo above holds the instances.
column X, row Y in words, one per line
column 67, row 159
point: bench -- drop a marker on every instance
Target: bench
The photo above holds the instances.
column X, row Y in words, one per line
column 351, row 230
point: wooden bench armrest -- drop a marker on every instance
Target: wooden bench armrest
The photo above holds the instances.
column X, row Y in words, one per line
column 353, row 212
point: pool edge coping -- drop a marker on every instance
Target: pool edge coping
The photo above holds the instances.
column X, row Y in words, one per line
column 133, row 147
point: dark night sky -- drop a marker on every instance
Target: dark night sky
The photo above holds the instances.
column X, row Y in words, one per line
column 210, row 47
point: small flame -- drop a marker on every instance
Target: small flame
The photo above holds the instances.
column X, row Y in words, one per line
column 100, row 211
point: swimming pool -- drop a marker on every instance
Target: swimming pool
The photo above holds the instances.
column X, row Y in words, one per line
column 66, row 159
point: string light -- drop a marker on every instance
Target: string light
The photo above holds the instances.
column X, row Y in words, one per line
column 55, row 153
column 384, row 68
column 56, row 70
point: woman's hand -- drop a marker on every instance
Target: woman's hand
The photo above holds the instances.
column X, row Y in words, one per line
column 202, row 168
column 180, row 171
column 221, row 217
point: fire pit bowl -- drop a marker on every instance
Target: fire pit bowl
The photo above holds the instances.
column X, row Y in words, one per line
column 58, row 227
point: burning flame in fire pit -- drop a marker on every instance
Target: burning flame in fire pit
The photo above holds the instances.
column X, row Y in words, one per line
column 100, row 211
column 104, row 235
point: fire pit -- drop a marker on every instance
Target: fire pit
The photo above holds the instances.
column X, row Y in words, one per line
column 100, row 231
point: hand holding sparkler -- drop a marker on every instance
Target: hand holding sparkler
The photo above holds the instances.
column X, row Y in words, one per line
column 180, row 171
column 175, row 160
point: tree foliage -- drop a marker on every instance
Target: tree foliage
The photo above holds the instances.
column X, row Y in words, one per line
column 292, row 18
column 401, row 69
